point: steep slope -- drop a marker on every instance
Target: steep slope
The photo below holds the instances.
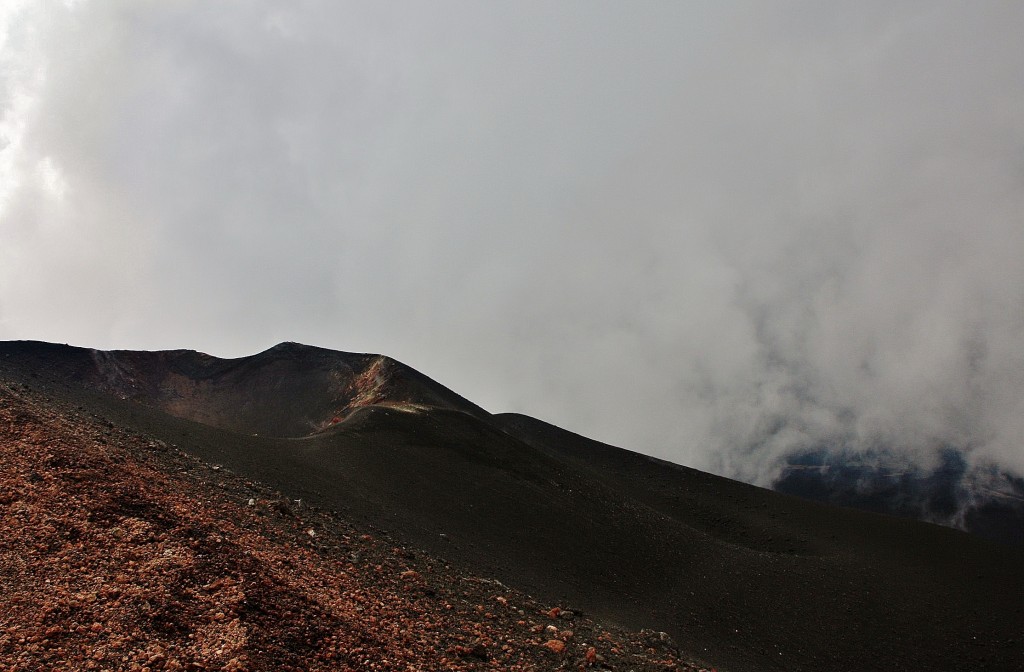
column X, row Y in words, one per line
column 121, row 553
column 740, row 576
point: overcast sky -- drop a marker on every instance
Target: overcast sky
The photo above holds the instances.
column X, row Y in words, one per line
column 716, row 232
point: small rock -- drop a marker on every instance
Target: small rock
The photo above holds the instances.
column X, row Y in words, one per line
column 556, row 646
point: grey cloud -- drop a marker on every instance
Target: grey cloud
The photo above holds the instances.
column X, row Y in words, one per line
column 718, row 233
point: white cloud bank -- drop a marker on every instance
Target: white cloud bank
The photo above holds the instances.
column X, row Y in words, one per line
column 713, row 232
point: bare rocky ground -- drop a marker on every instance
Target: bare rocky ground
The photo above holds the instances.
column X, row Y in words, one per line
column 414, row 501
column 119, row 552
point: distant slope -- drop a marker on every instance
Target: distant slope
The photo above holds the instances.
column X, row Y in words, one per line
column 743, row 577
column 988, row 503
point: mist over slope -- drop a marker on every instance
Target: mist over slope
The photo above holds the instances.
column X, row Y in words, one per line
column 745, row 578
column 738, row 235
column 899, row 364
column 984, row 500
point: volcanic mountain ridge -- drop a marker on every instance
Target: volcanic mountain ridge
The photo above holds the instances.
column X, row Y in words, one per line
column 736, row 575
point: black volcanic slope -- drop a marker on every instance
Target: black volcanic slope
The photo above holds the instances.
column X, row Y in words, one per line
column 742, row 577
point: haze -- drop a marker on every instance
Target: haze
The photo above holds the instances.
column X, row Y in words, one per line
column 715, row 232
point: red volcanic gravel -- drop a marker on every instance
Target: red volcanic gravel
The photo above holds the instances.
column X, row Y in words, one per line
column 122, row 553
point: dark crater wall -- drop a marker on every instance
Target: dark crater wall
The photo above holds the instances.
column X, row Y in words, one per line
column 289, row 390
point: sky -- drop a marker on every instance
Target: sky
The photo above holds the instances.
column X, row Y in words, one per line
column 719, row 233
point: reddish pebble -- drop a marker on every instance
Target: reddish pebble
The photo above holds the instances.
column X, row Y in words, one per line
column 555, row 645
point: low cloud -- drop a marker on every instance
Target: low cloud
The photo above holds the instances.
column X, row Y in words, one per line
column 721, row 234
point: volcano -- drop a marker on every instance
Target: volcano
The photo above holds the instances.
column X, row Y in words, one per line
column 731, row 575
